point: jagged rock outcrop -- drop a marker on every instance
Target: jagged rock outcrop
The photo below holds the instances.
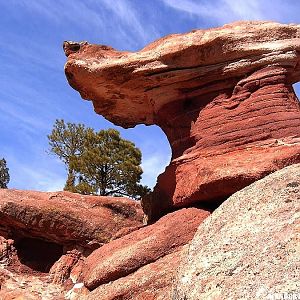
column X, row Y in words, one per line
column 7, row 251
column 223, row 96
column 141, row 264
column 46, row 236
column 66, row 218
column 249, row 247
column 69, row 265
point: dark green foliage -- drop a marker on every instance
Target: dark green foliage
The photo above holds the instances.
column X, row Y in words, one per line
column 66, row 141
column 99, row 163
column 4, row 175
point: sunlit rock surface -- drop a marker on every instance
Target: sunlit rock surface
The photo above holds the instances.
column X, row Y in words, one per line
column 66, row 218
column 249, row 247
column 223, row 97
column 141, row 265
column 45, row 238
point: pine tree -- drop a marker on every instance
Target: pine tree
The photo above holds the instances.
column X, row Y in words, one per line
column 4, row 175
column 100, row 163
column 66, row 141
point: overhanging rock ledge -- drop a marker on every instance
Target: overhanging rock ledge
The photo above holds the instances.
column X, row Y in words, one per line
column 223, row 97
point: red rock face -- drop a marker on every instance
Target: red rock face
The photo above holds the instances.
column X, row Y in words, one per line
column 223, row 97
column 142, row 250
column 151, row 282
column 69, row 264
column 47, row 236
column 7, row 251
column 66, row 218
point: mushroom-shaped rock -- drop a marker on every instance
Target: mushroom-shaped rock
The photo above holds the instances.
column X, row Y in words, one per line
column 223, row 97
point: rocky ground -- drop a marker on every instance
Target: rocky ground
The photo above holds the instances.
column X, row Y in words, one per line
column 16, row 285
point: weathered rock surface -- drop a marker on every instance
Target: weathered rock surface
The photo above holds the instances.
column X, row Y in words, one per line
column 7, row 250
column 140, row 254
column 151, row 282
column 223, row 97
column 28, row 287
column 66, row 218
column 249, row 247
column 52, row 233
column 68, row 266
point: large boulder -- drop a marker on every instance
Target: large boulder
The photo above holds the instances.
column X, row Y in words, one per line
column 223, row 97
column 153, row 281
column 140, row 260
column 66, row 218
column 249, row 247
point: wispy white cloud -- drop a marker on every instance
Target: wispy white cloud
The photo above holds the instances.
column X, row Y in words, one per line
column 29, row 122
column 126, row 12
column 45, row 175
column 75, row 12
column 119, row 19
column 153, row 166
column 224, row 11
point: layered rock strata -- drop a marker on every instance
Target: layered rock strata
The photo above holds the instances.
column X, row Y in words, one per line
column 223, row 97
column 249, row 247
column 153, row 281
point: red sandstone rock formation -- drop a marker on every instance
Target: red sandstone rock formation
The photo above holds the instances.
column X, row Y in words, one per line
column 153, row 281
column 138, row 262
column 68, row 266
column 54, row 232
column 7, row 251
column 223, row 97
column 249, row 247
column 66, row 218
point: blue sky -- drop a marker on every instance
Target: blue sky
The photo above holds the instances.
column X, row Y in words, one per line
column 33, row 88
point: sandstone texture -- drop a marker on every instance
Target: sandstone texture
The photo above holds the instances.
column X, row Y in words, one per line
column 223, row 97
column 45, row 237
column 151, row 282
column 7, row 250
column 143, row 261
column 249, row 247
column 68, row 266
column 66, row 218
